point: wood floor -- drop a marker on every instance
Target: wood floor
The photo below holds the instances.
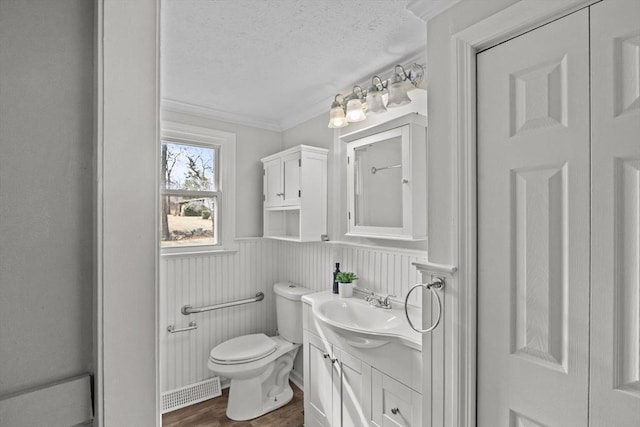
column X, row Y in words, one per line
column 212, row 413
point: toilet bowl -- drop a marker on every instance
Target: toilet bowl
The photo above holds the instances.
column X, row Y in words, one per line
column 259, row 366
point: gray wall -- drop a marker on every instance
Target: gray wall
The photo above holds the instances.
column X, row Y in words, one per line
column 46, row 114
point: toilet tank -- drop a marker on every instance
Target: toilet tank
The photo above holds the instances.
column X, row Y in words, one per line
column 289, row 310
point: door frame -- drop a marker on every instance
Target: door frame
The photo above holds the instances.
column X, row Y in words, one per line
column 512, row 21
column 125, row 283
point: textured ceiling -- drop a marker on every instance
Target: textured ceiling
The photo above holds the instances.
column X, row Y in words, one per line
column 273, row 63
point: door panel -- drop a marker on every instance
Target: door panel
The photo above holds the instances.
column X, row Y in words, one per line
column 291, row 179
column 533, row 227
column 615, row 145
column 272, row 183
column 355, row 388
column 319, row 398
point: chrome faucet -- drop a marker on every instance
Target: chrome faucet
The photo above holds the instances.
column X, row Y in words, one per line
column 379, row 302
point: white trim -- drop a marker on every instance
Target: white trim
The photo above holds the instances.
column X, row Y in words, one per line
column 211, row 113
column 432, row 267
column 426, row 10
column 126, row 108
column 421, row 254
column 512, row 21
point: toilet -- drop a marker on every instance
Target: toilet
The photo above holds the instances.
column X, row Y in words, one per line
column 259, row 366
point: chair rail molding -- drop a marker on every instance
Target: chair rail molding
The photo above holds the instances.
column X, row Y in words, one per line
column 512, row 21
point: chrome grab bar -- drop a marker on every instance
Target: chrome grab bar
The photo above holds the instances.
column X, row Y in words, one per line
column 172, row 328
column 187, row 309
column 438, row 283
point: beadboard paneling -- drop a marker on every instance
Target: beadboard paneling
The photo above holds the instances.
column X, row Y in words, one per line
column 210, row 279
column 382, row 270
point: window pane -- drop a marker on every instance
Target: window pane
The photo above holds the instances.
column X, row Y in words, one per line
column 188, row 167
column 189, row 221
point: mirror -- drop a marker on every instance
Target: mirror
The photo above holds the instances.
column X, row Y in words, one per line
column 378, row 183
column 387, row 180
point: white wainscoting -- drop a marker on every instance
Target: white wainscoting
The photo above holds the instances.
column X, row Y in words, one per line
column 205, row 279
column 382, row 270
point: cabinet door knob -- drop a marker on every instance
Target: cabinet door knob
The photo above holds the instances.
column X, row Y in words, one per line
column 405, row 181
column 395, row 411
column 280, row 194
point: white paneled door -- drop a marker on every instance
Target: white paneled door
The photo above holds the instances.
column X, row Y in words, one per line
column 559, row 223
column 533, row 227
column 615, row 214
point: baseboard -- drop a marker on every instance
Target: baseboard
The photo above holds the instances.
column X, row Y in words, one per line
column 64, row 403
column 297, row 378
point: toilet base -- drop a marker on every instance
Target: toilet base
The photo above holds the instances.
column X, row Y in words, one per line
column 239, row 410
column 253, row 397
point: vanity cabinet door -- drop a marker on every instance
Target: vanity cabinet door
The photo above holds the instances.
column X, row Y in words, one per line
column 355, row 388
column 321, row 382
column 393, row 403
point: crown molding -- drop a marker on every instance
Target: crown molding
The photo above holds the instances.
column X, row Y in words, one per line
column 211, row 113
column 426, row 10
column 292, row 119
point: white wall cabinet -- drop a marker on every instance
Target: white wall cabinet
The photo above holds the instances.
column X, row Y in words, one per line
column 387, row 179
column 295, row 194
column 349, row 387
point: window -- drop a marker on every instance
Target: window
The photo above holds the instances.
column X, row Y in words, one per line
column 196, row 189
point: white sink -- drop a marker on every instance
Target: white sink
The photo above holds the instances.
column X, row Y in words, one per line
column 360, row 324
column 353, row 314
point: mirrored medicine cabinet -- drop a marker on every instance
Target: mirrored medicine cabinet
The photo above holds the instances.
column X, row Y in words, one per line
column 387, row 179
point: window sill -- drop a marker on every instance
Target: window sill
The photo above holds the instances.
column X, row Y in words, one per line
column 197, row 250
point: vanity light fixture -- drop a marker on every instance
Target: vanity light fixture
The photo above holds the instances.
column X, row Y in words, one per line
column 355, row 110
column 397, row 92
column 353, row 106
column 337, row 118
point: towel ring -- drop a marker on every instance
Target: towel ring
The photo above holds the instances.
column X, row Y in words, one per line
column 438, row 283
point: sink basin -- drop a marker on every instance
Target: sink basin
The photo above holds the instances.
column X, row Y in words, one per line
column 360, row 324
column 355, row 315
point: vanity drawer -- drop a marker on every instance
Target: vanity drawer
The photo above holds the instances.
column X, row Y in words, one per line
column 393, row 403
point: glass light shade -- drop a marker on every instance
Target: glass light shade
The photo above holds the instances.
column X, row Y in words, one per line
column 337, row 118
column 354, row 111
column 375, row 102
column 397, row 93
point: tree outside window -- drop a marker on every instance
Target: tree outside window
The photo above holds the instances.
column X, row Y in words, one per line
column 190, row 194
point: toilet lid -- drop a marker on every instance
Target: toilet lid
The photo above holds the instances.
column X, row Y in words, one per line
column 243, row 349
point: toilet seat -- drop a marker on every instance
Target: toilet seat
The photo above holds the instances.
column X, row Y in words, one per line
column 243, row 349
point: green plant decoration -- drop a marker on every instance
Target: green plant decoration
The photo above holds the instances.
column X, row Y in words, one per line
column 346, row 277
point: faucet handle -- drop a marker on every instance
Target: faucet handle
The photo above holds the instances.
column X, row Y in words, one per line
column 386, row 299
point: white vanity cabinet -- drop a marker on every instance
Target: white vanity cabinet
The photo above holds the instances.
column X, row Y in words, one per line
column 337, row 385
column 295, row 194
column 345, row 386
column 387, row 179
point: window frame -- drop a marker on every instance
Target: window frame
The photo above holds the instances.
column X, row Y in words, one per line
column 225, row 145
